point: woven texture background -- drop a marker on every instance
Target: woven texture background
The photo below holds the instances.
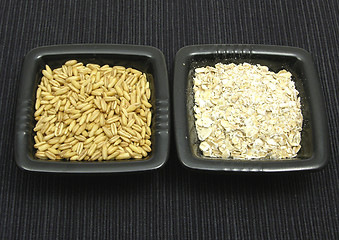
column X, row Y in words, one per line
column 172, row 203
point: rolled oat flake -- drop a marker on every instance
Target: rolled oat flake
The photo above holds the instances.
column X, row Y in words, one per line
column 245, row 111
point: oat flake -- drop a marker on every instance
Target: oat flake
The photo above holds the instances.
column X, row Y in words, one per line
column 246, row 111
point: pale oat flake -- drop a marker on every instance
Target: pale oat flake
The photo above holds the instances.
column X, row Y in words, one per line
column 246, row 111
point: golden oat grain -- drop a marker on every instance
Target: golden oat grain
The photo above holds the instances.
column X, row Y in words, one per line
column 50, row 155
column 126, row 140
column 134, row 148
column 40, row 154
column 123, row 156
column 104, row 151
column 113, row 155
column 112, row 149
column 149, row 118
column 54, row 151
column 71, row 62
column 131, row 153
column 146, row 148
column 123, row 144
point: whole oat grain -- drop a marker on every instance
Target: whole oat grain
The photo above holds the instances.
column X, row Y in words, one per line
column 92, row 112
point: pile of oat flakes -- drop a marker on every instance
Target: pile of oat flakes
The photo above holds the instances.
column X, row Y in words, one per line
column 246, row 111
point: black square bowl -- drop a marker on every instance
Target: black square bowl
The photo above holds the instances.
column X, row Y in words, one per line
column 144, row 58
column 314, row 152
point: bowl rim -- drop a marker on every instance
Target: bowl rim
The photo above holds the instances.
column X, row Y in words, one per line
column 321, row 143
column 162, row 109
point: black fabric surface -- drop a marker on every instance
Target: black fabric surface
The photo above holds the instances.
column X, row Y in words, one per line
column 173, row 202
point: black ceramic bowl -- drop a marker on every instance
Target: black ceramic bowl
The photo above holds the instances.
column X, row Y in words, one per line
column 144, row 58
column 314, row 151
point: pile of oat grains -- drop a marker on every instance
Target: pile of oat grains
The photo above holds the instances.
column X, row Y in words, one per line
column 91, row 112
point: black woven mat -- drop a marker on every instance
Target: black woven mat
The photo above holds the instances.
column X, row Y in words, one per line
column 172, row 203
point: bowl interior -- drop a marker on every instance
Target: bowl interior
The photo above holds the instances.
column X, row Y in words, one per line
column 141, row 63
column 275, row 64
